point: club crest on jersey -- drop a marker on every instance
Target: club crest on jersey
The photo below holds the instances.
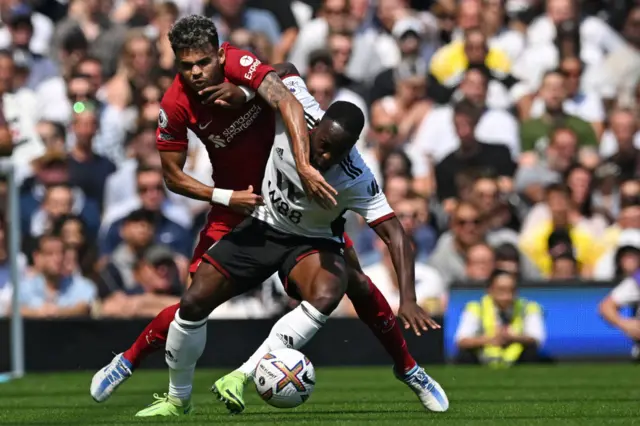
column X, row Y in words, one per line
column 280, row 152
column 246, row 60
column 163, row 120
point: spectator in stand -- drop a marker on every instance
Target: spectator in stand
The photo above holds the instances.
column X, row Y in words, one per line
column 587, row 106
column 155, row 285
column 486, row 195
column 501, row 329
column 19, row 109
column 233, row 14
column 472, row 154
column 39, row 67
column 88, row 170
column 372, row 50
column 73, row 233
column 535, row 132
column 138, row 67
column 626, row 293
column 621, row 143
column 151, row 196
column 340, row 45
column 42, row 26
column 384, row 139
column 323, row 86
column 452, row 61
column 137, row 233
column 501, row 32
column 579, row 179
column 535, row 242
column 536, row 172
column 120, row 187
column 105, row 37
column 436, row 135
column 480, row 263
column 560, row 32
column 410, row 34
column 52, row 170
column 618, row 74
column 564, row 265
column 397, row 188
column 53, row 134
column 49, row 293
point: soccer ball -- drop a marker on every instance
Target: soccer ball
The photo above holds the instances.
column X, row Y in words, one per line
column 285, row 378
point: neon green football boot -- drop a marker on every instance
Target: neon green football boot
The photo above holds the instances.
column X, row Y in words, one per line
column 230, row 389
column 166, row 406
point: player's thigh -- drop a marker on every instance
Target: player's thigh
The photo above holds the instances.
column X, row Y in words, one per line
column 319, row 278
column 247, row 254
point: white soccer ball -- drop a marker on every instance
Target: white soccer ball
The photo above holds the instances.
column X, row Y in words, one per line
column 285, row 378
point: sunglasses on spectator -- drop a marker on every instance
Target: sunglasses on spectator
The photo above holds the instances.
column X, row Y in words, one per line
column 391, row 128
column 463, row 222
column 336, row 12
column 148, row 188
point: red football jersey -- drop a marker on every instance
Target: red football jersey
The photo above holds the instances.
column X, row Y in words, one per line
column 238, row 141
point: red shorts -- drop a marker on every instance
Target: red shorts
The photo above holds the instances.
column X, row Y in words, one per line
column 213, row 231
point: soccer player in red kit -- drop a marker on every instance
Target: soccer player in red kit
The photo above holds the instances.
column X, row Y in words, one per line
column 238, row 142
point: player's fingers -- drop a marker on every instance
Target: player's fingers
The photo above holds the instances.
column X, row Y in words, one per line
column 250, row 188
column 259, row 200
column 434, row 324
column 221, row 103
column 416, row 327
column 330, row 189
column 327, row 196
column 405, row 322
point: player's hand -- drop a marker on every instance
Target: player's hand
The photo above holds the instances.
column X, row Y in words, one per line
column 245, row 201
column 317, row 188
column 413, row 316
column 226, row 95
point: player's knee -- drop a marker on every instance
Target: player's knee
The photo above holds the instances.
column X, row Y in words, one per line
column 358, row 284
column 327, row 296
column 192, row 307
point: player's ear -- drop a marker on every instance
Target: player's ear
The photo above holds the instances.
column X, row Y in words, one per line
column 221, row 56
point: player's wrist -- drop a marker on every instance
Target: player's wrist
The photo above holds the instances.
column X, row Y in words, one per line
column 248, row 93
column 221, row 196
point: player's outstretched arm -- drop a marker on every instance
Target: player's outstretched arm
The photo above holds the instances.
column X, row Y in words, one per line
column 273, row 90
column 181, row 183
column 403, row 257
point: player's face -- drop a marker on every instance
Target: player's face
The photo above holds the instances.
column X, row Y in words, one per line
column 329, row 145
column 201, row 67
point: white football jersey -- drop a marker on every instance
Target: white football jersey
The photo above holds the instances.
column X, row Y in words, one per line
column 287, row 208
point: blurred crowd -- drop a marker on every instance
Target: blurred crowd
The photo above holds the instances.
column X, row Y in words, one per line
column 504, row 133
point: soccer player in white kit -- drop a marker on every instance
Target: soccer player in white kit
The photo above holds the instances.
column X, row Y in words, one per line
column 300, row 240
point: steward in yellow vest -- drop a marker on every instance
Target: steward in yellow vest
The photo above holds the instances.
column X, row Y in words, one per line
column 501, row 329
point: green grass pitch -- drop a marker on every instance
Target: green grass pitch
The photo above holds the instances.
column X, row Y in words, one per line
column 594, row 394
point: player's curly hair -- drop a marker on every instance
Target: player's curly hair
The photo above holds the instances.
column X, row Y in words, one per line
column 192, row 32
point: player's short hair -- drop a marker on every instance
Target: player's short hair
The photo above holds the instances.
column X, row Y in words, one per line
column 348, row 116
column 192, row 32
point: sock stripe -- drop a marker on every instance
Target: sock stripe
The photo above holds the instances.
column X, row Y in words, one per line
column 189, row 325
column 310, row 314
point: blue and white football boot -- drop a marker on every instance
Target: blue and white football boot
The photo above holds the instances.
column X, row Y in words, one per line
column 107, row 379
column 428, row 390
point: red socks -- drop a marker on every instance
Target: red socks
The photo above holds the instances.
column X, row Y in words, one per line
column 153, row 337
column 374, row 310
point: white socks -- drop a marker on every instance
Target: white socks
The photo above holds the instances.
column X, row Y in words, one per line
column 291, row 331
column 185, row 343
